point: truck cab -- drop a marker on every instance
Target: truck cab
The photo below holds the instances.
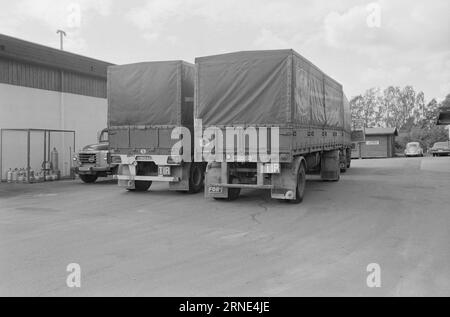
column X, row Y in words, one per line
column 93, row 161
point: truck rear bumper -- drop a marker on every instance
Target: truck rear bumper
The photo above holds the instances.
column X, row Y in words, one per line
column 91, row 170
column 248, row 186
column 147, row 178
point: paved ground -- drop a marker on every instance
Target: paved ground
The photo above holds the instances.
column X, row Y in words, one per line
column 392, row 212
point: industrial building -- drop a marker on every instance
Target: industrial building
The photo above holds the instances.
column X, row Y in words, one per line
column 47, row 88
column 379, row 143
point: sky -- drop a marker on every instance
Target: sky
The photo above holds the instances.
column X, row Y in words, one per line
column 361, row 44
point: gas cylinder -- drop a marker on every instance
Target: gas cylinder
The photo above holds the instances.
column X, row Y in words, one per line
column 54, row 160
column 20, row 176
column 25, row 175
column 14, row 175
column 9, row 176
column 32, row 178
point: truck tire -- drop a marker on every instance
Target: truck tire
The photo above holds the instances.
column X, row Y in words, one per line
column 330, row 170
column 88, row 179
column 140, row 186
column 196, row 178
column 301, row 184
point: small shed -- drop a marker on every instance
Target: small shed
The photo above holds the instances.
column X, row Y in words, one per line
column 444, row 116
column 379, row 143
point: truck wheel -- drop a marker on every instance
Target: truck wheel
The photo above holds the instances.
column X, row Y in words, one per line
column 301, row 184
column 196, row 179
column 140, row 186
column 330, row 166
column 88, row 179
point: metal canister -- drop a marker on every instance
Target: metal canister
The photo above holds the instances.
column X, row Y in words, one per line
column 54, row 159
column 14, row 175
column 25, row 176
column 20, row 176
column 9, row 176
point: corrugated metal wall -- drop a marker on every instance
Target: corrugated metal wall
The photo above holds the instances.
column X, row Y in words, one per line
column 34, row 76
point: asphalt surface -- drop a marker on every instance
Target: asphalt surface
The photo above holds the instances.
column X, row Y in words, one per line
column 393, row 212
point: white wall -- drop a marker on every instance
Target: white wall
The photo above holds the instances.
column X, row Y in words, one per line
column 22, row 107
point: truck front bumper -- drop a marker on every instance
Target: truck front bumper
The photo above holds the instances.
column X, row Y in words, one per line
column 85, row 170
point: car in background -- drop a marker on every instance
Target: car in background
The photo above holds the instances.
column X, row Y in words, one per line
column 440, row 148
column 413, row 149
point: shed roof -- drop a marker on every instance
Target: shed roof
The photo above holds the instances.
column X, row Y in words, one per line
column 17, row 49
column 382, row 131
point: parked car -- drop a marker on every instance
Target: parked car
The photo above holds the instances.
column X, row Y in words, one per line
column 440, row 148
column 413, row 149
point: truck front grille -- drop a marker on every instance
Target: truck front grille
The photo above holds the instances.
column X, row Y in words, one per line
column 88, row 158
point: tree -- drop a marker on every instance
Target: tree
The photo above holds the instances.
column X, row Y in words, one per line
column 430, row 114
column 446, row 102
column 407, row 102
column 391, row 97
column 367, row 107
column 357, row 107
column 419, row 108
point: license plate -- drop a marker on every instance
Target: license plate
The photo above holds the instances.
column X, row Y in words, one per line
column 164, row 170
column 272, row 168
column 145, row 158
column 215, row 190
column 84, row 169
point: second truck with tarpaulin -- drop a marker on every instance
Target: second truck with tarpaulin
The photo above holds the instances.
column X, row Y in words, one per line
column 147, row 103
column 272, row 89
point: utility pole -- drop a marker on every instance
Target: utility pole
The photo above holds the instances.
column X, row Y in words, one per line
column 62, row 34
